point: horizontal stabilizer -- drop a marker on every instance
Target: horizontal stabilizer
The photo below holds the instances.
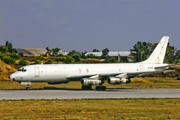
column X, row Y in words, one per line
column 166, row 66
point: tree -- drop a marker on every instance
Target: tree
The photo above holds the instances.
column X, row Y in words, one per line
column 23, row 62
column 37, row 61
column 48, row 61
column 9, row 60
column 3, row 49
column 69, row 59
column 177, row 57
column 38, row 58
column 21, row 54
column 14, row 50
column 77, row 57
column 55, row 51
column 2, row 56
column 170, row 54
column 105, row 54
column 141, row 51
column 52, row 52
column 95, row 50
column 113, row 60
column 92, row 56
column 48, row 51
column 7, row 43
column 124, row 59
column 15, row 56
column 9, row 46
column 71, row 53
column 105, row 51
column 62, row 59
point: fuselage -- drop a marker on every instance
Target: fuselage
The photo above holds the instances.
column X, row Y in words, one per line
column 53, row 73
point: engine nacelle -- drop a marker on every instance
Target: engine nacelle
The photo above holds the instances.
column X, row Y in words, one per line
column 116, row 80
column 87, row 82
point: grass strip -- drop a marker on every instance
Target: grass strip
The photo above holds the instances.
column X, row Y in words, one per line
column 143, row 109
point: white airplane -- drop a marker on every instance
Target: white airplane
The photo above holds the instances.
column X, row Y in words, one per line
column 93, row 74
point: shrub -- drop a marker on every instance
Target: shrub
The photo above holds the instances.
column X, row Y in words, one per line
column 23, row 62
column 62, row 59
column 3, row 49
column 21, row 54
column 2, row 56
column 37, row 61
column 9, row 60
column 77, row 57
column 15, row 56
column 69, row 59
column 113, row 60
column 48, row 62
column 38, row 58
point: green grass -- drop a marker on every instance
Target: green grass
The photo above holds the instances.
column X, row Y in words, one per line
column 137, row 83
column 105, row 109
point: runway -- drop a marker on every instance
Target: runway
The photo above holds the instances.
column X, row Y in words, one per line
column 93, row 94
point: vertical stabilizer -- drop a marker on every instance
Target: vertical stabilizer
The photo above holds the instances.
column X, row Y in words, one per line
column 157, row 56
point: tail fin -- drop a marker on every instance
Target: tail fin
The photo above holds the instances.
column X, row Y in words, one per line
column 157, row 56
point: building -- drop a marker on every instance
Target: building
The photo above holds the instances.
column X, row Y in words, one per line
column 120, row 55
column 36, row 51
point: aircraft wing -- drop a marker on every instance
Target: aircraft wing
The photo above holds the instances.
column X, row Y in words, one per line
column 104, row 76
column 134, row 74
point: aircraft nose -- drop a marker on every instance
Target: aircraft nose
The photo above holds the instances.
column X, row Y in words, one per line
column 11, row 77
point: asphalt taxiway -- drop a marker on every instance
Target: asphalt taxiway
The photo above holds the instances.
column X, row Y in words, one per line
column 92, row 94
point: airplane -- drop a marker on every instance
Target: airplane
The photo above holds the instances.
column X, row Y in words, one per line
column 93, row 74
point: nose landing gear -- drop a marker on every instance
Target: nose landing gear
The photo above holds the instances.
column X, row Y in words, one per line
column 28, row 88
column 26, row 83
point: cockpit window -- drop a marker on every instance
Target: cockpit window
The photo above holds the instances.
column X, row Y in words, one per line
column 22, row 69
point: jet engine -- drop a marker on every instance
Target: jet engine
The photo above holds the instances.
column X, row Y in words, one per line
column 88, row 82
column 116, row 80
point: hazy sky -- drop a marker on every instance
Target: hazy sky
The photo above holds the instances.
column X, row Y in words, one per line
column 83, row 25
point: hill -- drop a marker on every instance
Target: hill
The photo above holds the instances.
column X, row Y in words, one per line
column 5, row 70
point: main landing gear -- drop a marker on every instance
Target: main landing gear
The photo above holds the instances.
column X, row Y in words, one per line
column 100, row 88
column 86, row 87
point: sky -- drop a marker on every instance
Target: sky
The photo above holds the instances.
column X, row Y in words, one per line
column 84, row 25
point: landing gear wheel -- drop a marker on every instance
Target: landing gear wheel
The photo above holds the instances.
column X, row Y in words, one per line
column 98, row 88
column 89, row 87
column 27, row 88
column 86, row 87
column 103, row 88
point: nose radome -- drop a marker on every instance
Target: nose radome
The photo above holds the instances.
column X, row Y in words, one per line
column 11, row 77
